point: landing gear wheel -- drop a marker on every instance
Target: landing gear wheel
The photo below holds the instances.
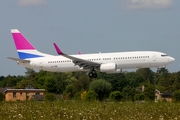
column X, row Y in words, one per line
column 92, row 74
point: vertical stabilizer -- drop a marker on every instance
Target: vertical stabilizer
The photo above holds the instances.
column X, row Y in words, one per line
column 24, row 48
column 20, row 41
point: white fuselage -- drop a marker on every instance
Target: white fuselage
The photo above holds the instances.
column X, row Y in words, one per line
column 123, row 60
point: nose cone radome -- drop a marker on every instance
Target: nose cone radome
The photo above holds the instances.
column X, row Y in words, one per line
column 171, row 59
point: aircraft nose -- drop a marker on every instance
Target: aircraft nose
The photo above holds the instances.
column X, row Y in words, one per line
column 171, row 59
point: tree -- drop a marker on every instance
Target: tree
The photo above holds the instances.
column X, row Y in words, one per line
column 134, row 79
column 24, row 83
column 50, row 84
column 167, row 82
column 118, row 81
column 176, row 95
column 1, row 78
column 101, row 87
column 146, row 74
column 176, row 84
column 149, row 93
column 10, row 81
column 128, row 93
column 2, row 97
column 30, row 73
column 163, row 71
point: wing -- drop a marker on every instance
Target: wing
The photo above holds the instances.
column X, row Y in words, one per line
column 20, row 60
column 85, row 64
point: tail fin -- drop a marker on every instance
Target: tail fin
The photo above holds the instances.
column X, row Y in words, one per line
column 24, row 48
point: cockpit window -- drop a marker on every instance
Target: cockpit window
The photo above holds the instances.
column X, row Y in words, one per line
column 164, row 55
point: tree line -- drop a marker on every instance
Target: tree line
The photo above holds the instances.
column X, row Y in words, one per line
column 122, row 86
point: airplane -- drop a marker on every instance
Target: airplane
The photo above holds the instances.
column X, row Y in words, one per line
column 109, row 63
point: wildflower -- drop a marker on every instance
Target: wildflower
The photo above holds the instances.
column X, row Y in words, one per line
column 20, row 116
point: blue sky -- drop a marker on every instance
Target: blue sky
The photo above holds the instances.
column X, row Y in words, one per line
column 90, row 27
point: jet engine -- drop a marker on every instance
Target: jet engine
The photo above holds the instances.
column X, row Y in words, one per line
column 108, row 67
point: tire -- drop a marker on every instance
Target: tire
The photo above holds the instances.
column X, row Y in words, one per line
column 90, row 74
column 94, row 75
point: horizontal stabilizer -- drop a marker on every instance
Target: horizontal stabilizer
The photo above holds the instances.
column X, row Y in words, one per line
column 20, row 60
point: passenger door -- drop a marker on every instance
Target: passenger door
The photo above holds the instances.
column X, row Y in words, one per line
column 154, row 57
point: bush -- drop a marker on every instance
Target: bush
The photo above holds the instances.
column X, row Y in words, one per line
column 77, row 96
column 91, row 95
column 101, row 87
column 50, row 97
column 2, row 97
column 116, row 95
column 176, row 95
column 83, row 95
column 139, row 97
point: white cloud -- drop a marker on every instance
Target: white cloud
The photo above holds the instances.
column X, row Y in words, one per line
column 31, row 2
column 148, row 4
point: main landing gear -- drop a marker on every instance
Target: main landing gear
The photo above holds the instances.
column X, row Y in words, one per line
column 92, row 74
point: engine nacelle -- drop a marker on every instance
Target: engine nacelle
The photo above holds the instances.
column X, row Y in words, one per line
column 108, row 67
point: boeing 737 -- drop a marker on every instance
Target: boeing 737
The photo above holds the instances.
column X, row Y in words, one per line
column 104, row 62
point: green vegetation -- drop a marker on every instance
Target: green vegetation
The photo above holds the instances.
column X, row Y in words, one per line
column 91, row 95
column 72, row 84
column 176, row 96
column 116, row 95
column 2, row 96
column 101, row 87
column 50, row 97
column 79, row 110
column 110, row 96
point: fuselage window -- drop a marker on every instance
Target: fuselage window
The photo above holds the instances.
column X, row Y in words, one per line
column 164, row 55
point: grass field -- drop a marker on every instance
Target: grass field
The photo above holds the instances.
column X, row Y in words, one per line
column 83, row 110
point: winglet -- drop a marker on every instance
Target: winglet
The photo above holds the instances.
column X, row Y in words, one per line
column 58, row 49
column 79, row 53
